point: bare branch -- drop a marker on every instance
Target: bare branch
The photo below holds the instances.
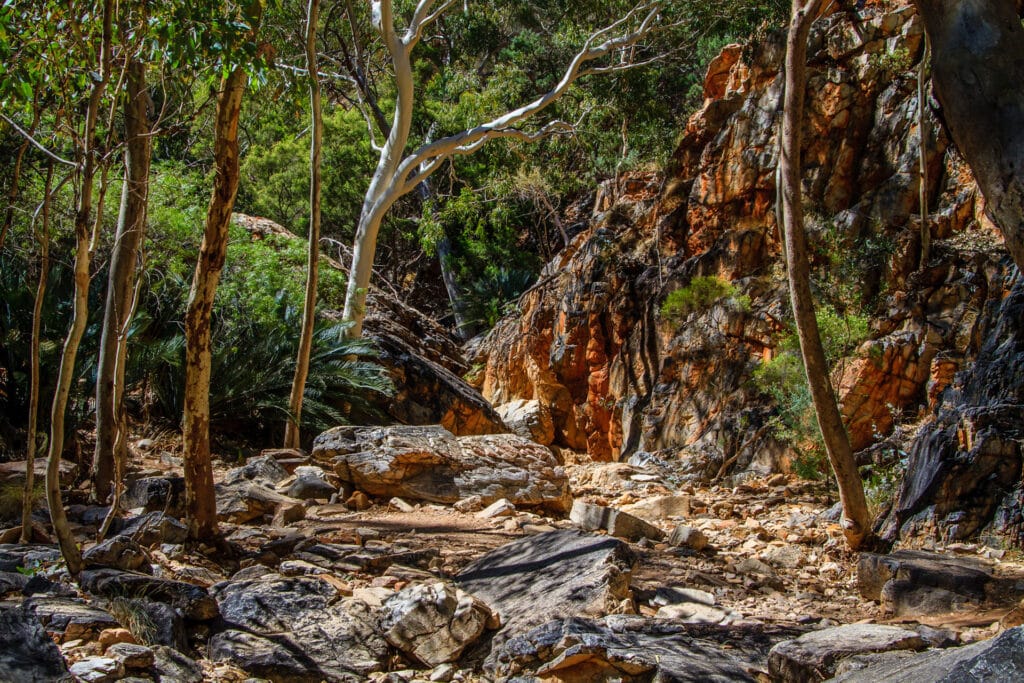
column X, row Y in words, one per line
column 38, row 145
column 422, row 18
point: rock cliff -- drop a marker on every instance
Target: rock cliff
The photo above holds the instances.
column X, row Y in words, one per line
column 591, row 354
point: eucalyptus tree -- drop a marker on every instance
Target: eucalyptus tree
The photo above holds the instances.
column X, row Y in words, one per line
column 200, row 499
column 856, row 519
column 400, row 170
column 292, row 432
column 110, row 452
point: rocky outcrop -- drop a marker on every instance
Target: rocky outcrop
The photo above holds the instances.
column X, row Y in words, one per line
column 423, row 360
column 26, row 652
column 430, row 463
column 998, row 659
column 577, row 574
column 964, row 470
column 815, row 656
column 618, row 379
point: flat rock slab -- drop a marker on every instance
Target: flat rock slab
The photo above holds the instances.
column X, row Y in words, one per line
column 70, row 617
column 431, row 464
column 193, row 601
column 814, row 656
column 916, row 583
column 623, row 648
column 27, row 654
column 550, row 576
column 590, row 517
column 998, row 659
column 14, row 471
column 295, row 629
column 13, row 556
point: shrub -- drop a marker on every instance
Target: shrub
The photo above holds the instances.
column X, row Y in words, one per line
column 783, row 379
column 700, row 294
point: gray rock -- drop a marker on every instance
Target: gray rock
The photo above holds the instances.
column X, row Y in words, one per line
column 621, row 524
column 308, row 627
column 153, row 528
column 27, row 654
column 13, row 472
column 172, row 666
column 98, row 670
column 132, row 656
column 915, row 583
column 433, row 623
column 310, row 483
column 998, row 659
column 624, row 648
column 12, row 581
column 13, row 556
column 431, row 464
column 70, row 617
column 193, row 601
column 688, row 537
column 814, row 656
column 529, row 419
column 550, row 576
column 245, row 501
column 156, row 494
column 119, row 552
column 263, row 469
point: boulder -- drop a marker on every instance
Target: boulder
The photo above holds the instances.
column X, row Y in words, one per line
column 998, row 659
column 71, row 618
column 244, row 501
column 433, row 623
column 918, row 583
column 12, row 581
column 13, row 556
column 591, row 517
column 98, row 670
column 624, row 648
column 529, row 419
column 263, row 469
column 551, row 576
column 27, row 654
column 152, row 528
column 431, row 464
column 13, row 473
column 295, row 629
column 132, row 656
column 814, row 656
column 119, row 552
column 156, row 494
column 688, row 537
column 193, row 601
column 171, row 665
column 310, row 483
column 660, row 508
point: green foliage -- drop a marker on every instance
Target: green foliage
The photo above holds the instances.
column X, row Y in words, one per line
column 881, row 486
column 699, row 295
column 783, row 379
column 892, row 62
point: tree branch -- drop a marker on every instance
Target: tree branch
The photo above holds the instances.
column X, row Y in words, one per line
column 38, row 145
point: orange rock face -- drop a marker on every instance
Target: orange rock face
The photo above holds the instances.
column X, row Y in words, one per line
column 617, row 376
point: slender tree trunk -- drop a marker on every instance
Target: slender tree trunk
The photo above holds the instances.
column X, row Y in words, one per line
column 451, row 285
column 922, row 131
column 12, row 194
column 856, row 520
column 131, row 227
column 977, row 72
column 200, row 501
column 291, row 430
column 37, row 324
column 72, row 555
